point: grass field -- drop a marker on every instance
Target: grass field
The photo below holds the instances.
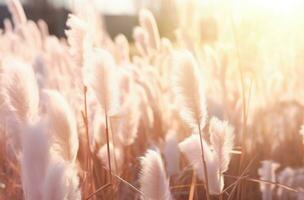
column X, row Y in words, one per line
column 213, row 113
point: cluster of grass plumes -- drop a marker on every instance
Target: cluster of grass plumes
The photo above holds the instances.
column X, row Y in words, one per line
column 84, row 118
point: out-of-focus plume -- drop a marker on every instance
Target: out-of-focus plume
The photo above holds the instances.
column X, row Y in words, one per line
column 62, row 125
column 148, row 22
column 171, row 153
column 78, row 38
column 267, row 173
column 102, row 76
column 123, row 50
column 141, row 39
column 34, row 160
column 61, row 182
column 16, row 11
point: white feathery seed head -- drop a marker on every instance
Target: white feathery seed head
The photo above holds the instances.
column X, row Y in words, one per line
column 78, row 38
column 34, row 159
column 153, row 181
column 16, row 11
column 128, row 120
column 148, row 22
column 191, row 148
column 122, row 46
column 20, row 89
column 62, row 125
column 189, row 89
column 141, row 40
column 221, row 138
column 102, row 77
column 61, row 182
column 171, row 153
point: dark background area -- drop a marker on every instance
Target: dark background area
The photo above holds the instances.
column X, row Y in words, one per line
column 56, row 18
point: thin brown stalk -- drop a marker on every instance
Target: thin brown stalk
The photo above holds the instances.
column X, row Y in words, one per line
column 204, row 163
column 89, row 167
column 247, row 178
column 240, row 178
column 108, row 148
column 129, row 184
column 244, row 115
column 193, row 185
column 98, row 190
column 114, row 144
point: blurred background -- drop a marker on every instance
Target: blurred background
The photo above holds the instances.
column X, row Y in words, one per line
column 251, row 53
column 120, row 16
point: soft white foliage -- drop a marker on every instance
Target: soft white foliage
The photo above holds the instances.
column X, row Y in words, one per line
column 20, row 89
column 78, row 38
column 153, row 181
column 148, row 22
column 191, row 148
column 117, row 157
column 34, row 160
column 102, row 77
column 61, row 182
column 171, row 153
column 189, row 90
column 221, row 137
column 62, row 125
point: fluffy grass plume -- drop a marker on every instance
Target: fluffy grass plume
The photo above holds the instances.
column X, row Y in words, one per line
column 128, row 120
column 77, row 38
column 191, row 148
column 189, row 89
column 102, row 76
column 148, row 22
column 20, row 89
column 153, row 181
column 34, row 160
column 221, row 137
column 61, row 182
column 62, row 125
column 172, row 154
column 17, row 11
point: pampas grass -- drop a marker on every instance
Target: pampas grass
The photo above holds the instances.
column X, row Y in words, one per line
column 221, row 137
column 141, row 39
column 153, row 181
column 171, row 154
column 62, row 125
column 34, row 159
column 189, row 92
column 61, row 182
column 17, row 12
column 189, row 89
column 93, row 117
column 191, row 148
column 20, row 89
column 128, row 120
column 147, row 21
column 101, row 70
column 78, row 38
